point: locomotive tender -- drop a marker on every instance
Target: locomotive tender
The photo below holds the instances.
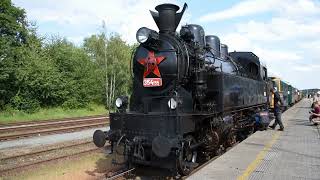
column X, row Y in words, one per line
column 191, row 99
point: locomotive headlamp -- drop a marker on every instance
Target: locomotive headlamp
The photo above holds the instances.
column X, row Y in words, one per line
column 119, row 102
column 122, row 102
column 144, row 34
column 172, row 103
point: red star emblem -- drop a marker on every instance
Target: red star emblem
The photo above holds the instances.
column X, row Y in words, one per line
column 151, row 63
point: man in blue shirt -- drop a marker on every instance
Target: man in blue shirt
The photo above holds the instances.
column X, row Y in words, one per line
column 277, row 109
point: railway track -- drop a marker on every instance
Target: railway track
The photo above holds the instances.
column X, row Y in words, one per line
column 137, row 173
column 120, row 174
column 22, row 161
column 49, row 120
column 20, row 130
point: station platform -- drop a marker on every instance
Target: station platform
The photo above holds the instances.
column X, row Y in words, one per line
column 290, row 154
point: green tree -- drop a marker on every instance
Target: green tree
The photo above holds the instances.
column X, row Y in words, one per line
column 37, row 72
column 119, row 55
column 113, row 57
column 81, row 76
column 95, row 46
column 14, row 35
column 38, row 81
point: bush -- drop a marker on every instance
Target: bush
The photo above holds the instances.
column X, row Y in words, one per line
column 24, row 103
column 72, row 103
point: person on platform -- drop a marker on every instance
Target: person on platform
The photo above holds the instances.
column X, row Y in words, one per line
column 277, row 109
column 315, row 113
column 316, row 97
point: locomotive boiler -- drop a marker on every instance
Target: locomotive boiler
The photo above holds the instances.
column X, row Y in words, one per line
column 191, row 98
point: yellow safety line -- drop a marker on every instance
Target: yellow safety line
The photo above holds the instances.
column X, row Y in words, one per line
column 255, row 163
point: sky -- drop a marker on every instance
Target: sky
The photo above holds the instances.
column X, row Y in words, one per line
column 285, row 34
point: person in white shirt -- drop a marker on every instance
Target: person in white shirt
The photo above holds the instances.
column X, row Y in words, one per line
column 316, row 97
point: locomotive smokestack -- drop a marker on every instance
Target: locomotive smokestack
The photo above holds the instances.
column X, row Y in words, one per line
column 167, row 18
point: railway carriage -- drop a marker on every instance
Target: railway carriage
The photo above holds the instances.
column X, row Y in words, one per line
column 288, row 93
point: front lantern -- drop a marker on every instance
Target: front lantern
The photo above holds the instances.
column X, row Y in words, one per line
column 172, row 103
column 122, row 103
column 144, row 35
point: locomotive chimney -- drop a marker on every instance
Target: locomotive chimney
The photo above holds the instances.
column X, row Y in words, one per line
column 167, row 18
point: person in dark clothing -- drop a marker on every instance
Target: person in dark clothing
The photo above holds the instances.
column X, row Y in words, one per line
column 277, row 109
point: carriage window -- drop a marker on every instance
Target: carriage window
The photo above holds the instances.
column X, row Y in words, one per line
column 253, row 69
column 264, row 75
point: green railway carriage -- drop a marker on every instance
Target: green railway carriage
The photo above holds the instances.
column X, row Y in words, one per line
column 284, row 92
column 296, row 96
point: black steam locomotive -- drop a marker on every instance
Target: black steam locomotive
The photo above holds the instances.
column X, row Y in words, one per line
column 191, row 99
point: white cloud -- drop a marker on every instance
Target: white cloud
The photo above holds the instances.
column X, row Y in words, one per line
column 279, row 28
column 240, row 42
column 306, row 68
column 244, row 8
column 237, row 41
column 75, row 39
column 315, row 44
column 122, row 16
column 313, row 48
column 284, row 39
column 271, row 55
column 291, row 8
column 299, row 8
column 287, row 40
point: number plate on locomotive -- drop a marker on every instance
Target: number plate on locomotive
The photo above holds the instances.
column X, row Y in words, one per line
column 152, row 82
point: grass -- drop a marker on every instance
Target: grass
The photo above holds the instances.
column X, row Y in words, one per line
column 51, row 113
column 89, row 166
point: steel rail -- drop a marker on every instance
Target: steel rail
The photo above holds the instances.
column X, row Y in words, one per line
column 51, row 125
column 48, row 160
column 44, row 151
column 120, row 174
column 49, row 120
column 34, row 124
column 52, row 131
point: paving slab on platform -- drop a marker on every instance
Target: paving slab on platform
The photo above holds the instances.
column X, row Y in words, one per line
column 291, row 154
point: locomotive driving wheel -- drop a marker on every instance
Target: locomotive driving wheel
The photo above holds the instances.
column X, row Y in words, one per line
column 231, row 140
column 186, row 161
